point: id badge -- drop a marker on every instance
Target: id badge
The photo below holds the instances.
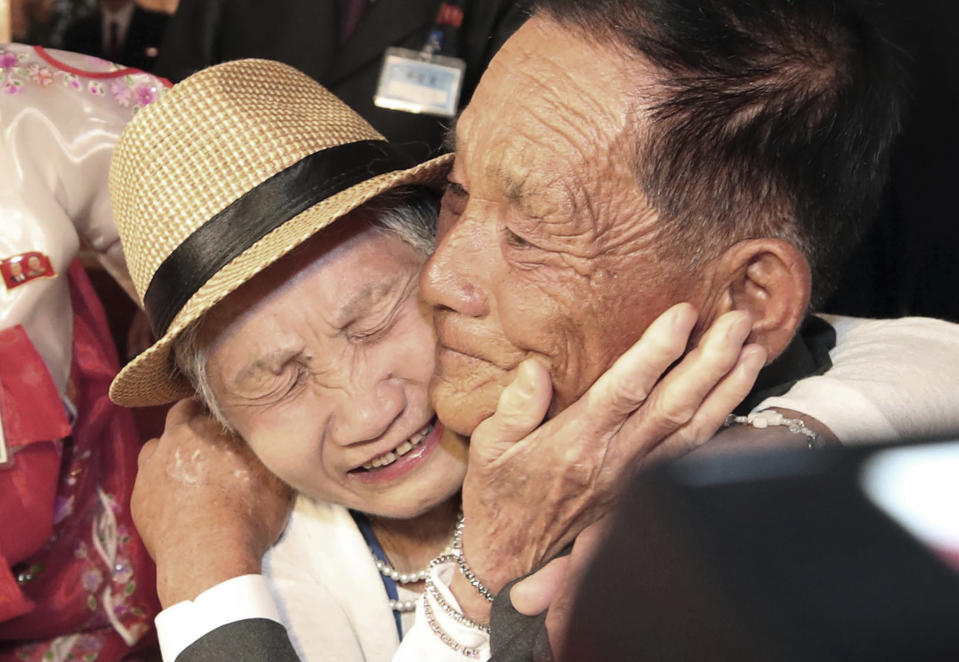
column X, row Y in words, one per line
column 417, row 82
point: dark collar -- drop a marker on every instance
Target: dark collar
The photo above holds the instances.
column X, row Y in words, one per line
column 805, row 356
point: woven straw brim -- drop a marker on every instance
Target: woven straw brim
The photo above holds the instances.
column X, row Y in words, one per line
column 151, row 379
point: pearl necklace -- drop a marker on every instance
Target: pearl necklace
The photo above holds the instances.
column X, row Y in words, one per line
column 400, row 577
column 387, row 570
column 403, row 606
column 404, row 578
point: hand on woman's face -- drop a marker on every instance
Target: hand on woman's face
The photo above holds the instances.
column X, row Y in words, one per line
column 322, row 364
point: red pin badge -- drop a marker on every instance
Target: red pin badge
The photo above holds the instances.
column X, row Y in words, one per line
column 21, row 269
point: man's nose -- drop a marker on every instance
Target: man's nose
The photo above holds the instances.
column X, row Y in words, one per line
column 453, row 276
column 366, row 413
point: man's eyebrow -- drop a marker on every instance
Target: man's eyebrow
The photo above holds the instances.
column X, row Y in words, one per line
column 516, row 187
column 513, row 189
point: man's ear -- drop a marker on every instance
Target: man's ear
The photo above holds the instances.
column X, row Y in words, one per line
column 771, row 280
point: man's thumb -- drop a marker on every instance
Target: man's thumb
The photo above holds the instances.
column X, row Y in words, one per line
column 521, row 408
column 535, row 594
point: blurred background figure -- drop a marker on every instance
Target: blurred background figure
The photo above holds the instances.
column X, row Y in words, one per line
column 908, row 263
column 843, row 556
column 75, row 580
column 29, row 21
column 341, row 44
column 119, row 31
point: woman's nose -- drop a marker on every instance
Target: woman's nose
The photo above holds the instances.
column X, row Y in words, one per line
column 366, row 416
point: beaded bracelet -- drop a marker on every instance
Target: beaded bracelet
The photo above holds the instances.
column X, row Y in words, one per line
column 767, row 417
column 434, row 593
column 465, row 651
column 463, row 565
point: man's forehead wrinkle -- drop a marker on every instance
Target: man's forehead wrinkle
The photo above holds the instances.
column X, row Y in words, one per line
column 548, row 205
column 557, row 137
column 542, row 187
column 590, row 135
column 592, row 81
column 572, row 110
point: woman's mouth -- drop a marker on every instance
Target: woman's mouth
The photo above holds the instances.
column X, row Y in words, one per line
column 397, row 463
column 392, row 456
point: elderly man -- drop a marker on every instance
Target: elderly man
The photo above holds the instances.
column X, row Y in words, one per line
column 619, row 157
column 728, row 156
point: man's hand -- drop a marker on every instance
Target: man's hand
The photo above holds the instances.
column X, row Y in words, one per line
column 205, row 506
column 555, row 585
column 528, row 492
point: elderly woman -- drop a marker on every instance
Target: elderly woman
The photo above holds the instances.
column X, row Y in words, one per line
column 276, row 241
column 320, row 363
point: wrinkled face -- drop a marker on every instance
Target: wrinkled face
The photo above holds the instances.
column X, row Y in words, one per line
column 322, row 364
column 547, row 247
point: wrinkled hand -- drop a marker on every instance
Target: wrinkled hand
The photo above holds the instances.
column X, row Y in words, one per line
column 205, row 506
column 529, row 491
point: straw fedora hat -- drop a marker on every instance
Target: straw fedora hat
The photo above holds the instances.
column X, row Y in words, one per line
column 230, row 170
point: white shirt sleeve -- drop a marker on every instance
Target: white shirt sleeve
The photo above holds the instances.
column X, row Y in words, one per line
column 438, row 636
column 890, row 380
column 236, row 599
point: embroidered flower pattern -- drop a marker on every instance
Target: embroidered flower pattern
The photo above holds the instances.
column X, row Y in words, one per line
column 122, row 570
column 8, row 60
column 12, row 86
column 146, row 94
column 130, row 91
column 92, row 579
column 68, row 648
column 70, row 80
column 42, row 76
column 122, row 93
column 109, row 583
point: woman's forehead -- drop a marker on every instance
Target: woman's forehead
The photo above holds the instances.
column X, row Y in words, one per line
column 318, row 289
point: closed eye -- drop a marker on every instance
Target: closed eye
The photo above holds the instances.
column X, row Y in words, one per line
column 375, row 326
column 285, row 383
column 514, row 240
column 369, row 336
column 456, row 189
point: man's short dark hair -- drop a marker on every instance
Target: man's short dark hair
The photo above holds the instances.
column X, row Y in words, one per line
column 770, row 119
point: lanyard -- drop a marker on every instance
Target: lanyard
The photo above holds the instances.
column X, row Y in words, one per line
column 445, row 33
column 367, row 532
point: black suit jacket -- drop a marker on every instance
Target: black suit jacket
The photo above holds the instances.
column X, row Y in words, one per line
column 305, row 34
column 251, row 640
column 142, row 44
